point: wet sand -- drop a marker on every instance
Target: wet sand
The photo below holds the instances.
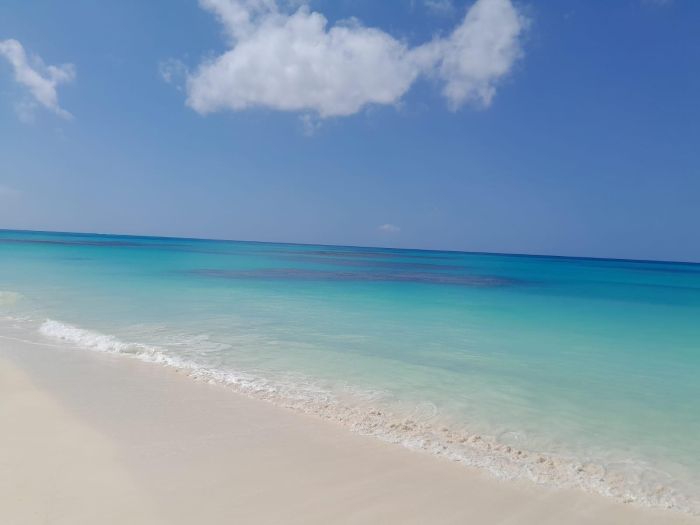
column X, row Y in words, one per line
column 94, row 438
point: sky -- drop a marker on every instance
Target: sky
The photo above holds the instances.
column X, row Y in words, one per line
column 567, row 127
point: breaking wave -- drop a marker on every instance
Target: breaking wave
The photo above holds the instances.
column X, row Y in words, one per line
column 631, row 482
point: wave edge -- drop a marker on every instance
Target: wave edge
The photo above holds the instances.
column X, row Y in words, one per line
column 472, row 449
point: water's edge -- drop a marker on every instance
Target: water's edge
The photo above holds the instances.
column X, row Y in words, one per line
column 360, row 413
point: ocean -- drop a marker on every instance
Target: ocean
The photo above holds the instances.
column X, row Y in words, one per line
column 566, row 371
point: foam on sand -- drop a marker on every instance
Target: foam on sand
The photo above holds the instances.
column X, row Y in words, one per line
column 629, row 483
column 127, row 453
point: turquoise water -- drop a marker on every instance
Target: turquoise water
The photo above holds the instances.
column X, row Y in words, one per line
column 575, row 372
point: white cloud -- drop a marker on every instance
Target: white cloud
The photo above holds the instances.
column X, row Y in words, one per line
column 297, row 62
column 479, row 52
column 310, row 124
column 41, row 80
column 172, row 70
column 440, row 7
column 389, row 228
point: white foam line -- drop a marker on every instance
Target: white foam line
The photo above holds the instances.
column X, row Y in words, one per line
column 471, row 449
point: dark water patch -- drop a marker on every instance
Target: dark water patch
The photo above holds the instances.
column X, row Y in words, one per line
column 358, row 254
column 372, row 263
column 379, row 254
column 293, row 274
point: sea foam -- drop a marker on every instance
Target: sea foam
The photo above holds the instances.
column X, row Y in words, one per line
column 360, row 413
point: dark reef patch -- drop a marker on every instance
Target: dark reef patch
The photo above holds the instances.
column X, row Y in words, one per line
column 293, row 274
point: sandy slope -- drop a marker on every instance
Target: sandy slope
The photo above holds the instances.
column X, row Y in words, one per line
column 87, row 438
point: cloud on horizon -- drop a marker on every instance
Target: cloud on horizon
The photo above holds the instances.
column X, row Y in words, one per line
column 295, row 61
column 389, row 228
column 41, row 80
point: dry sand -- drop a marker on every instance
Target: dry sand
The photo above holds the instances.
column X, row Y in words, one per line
column 88, row 438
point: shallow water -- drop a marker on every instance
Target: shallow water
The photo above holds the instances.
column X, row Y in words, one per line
column 576, row 372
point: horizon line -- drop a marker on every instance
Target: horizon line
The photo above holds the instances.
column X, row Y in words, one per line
column 501, row 254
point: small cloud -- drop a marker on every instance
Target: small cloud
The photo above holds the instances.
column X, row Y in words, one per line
column 310, row 124
column 389, row 228
column 440, row 7
column 26, row 110
column 173, row 71
column 41, row 80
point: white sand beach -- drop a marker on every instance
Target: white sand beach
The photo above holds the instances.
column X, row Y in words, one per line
column 92, row 438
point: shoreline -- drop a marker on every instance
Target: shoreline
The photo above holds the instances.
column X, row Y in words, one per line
column 146, row 444
column 440, row 439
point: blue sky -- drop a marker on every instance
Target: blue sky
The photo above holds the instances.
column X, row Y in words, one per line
column 564, row 127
